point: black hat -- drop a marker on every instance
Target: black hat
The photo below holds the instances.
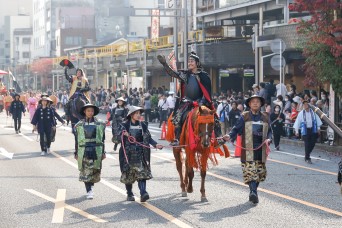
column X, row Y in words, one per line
column 17, row 95
column 66, row 62
column 255, row 96
column 96, row 109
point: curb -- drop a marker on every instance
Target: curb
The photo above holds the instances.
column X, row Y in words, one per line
column 332, row 150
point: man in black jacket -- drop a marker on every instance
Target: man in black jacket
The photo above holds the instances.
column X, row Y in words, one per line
column 16, row 109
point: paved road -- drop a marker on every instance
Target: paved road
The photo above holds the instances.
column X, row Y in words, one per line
column 40, row 191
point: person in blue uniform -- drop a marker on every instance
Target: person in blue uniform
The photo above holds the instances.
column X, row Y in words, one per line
column 43, row 121
column 16, row 109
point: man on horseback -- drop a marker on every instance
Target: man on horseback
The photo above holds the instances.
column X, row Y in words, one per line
column 195, row 90
column 79, row 88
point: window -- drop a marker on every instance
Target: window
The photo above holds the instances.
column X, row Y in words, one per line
column 17, row 40
column 27, row 40
column 26, row 54
column 7, row 45
column 73, row 40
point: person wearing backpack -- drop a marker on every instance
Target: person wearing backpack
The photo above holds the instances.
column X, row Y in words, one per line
column 223, row 112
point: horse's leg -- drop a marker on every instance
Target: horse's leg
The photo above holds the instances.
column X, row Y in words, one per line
column 190, row 174
column 203, row 196
column 178, row 157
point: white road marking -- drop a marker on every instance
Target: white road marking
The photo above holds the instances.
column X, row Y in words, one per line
column 71, row 208
column 156, row 210
column 297, row 155
column 26, row 137
column 5, row 153
column 58, row 212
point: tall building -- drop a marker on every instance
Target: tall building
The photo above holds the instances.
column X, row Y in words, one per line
column 113, row 18
column 47, row 20
column 8, row 51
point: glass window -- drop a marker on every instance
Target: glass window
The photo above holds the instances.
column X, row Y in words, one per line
column 26, row 40
column 26, row 54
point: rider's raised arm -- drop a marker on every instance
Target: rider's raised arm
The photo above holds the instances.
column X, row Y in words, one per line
column 179, row 75
column 67, row 77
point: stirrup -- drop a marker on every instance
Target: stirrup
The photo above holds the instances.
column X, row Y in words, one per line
column 175, row 143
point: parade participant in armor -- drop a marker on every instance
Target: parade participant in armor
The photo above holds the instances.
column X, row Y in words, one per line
column 134, row 158
column 43, row 121
column 118, row 114
column 16, row 109
column 7, row 102
column 309, row 124
column 90, row 147
column 32, row 104
column 79, row 84
column 253, row 125
column 195, row 88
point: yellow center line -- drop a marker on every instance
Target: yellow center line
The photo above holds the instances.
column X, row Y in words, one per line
column 71, row 208
column 156, row 210
column 302, row 167
column 267, row 191
column 58, row 212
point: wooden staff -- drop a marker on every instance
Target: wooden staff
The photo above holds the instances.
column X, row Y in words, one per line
column 324, row 117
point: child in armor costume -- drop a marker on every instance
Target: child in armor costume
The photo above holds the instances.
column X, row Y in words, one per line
column 90, row 147
column 117, row 116
column 135, row 159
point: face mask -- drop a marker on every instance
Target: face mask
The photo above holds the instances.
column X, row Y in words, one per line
column 224, row 102
column 324, row 97
column 277, row 109
column 286, row 99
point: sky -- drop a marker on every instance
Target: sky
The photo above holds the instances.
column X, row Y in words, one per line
column 12, row 8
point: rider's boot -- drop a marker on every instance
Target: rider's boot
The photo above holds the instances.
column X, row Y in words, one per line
column 177, row 136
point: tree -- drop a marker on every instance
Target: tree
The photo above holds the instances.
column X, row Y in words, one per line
column 42, row 66
column 321, row 41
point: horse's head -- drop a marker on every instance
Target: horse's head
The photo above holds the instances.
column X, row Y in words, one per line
column 205, row 121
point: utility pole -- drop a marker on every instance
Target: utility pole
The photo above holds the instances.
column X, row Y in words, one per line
column 185, row 42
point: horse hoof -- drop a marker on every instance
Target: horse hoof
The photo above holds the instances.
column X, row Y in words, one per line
column 204, row 199
column 184, row 194
column 190, row 190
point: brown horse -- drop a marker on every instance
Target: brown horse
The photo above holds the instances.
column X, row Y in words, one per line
column 198, row 149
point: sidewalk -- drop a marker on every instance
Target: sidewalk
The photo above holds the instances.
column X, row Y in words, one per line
column 333, row 150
